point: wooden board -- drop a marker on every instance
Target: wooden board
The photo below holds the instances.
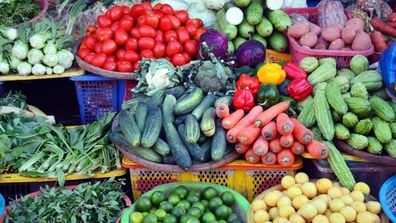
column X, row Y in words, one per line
column 16, row 77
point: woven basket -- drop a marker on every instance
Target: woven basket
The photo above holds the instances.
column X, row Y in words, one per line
column 44, row 4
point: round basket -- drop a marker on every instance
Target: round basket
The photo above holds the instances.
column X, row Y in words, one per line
column 240, row 207
column 387, row 198
column 44, row 4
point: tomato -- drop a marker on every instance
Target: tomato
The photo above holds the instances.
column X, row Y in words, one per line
column 170, row 35
column 131, row 56
column 182, row 15
column 191, row 28
column 187, row 56
column 131, row 44
column 126, row 10
column 136, row 66
column 99, row 59
column 103, row 34
column 159, row 49
column 146, row 43
column 159, row 36
column 157, row 6
column 173, row 47
column 135, row 32
column 98, row 47
column 116, row 12
column 83, row 52
column 115, row 26
column 89, row 57
column 141, row 20
column 120, row 36
column 89, row 42
column 174, row 21
column 179, row 59
column 90, row 30
column 152, row 20
column 110, row 65
column 124, row 66
column 120, row 54
column 182, row 35
column 137, row 10
column 126, row 23
column 111, row 58
column 109, row 46
column 147, row 54
column 165, row 24
column 147, row 5
column 200, row 30
column 146, row 31
column 197, row 22
column 167, row 9
column 104, row 21
column 191, row 47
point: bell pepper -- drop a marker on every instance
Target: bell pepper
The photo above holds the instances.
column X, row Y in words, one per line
column 299, row 89
column 293, row 71
column 247, row 82
column 244, row 70
column 267, row 95
column 243, row 99
column 271, row 73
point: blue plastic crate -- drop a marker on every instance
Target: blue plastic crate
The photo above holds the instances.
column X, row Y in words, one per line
column 98, row 95
column 2, row 91
column 387, row 197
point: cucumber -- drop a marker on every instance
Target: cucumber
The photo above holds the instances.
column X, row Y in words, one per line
column 238, row 41
column 265, row 27
column 245, row 29
column 176, row 91
column 242, row 3
column 141, row 115
column 167, row 108
column 229, row 30
column 187, row 103
column 161, row 147
column 152, row 127
column 207, row 101
column 223, row 100
column 280, row 20
column 192, row 129
column 178, row 149
column 231, row 47
column 129, row 127
column 118, row 138
column 278, row 41
column 254, row 12
column 196, row 152
column 260, row 39
column 219, row 143
column 207, row 124
column 156, row 99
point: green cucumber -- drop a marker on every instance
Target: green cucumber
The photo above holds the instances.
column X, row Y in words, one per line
column 141, row 115
column 167, row 108
column 192, row 129
column 231, row 31
column 152, row 127
column 129, row 127
column 178, row 149
column 265, row 27
column 176, row 91
column 219, row 143
column 161, row 147
column 223, row 100
column 254, row 12
column 207, row 124
column 196, row 152
column 207, row 101
column 188, row 103
column 245, row 29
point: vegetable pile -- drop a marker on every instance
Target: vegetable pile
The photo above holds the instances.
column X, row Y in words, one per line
column 14, row 12
column 124, row 35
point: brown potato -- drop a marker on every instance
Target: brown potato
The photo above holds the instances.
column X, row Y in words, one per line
column 314, row 28
column 309, row 39
column 348, row 34
column 355, row 23
column 331, row 33
column 362, row 41
column 337, row 44
column 321, row 44
column 297, row 30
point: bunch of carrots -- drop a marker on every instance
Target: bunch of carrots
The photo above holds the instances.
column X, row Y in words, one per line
column 269, row 136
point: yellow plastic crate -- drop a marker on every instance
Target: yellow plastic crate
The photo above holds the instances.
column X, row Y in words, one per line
column 247, row 179
column 277, row 57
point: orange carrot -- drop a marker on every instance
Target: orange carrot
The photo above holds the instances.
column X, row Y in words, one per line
column 318, row 150
column 269, row 158
column 222, row 110
column 246, row 120
column 283, row 124
column 239, row 148
column 286, row 141
column 382, row 26
column 285, row 157
column 266, row 116
column 302, row 133
column 232, row 119
column 260, row 146
column 251, row 157
column 275, row 146
column 269, row 131
column 297, row 148
column 248, row 135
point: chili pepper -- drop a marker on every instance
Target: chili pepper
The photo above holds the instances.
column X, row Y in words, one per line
column 243, row 99
column 267, row 95
column 271, row 73
column 299, row 89
column 293, row 71
column 247, row 82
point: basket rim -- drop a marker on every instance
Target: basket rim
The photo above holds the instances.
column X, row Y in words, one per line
column 383, row 197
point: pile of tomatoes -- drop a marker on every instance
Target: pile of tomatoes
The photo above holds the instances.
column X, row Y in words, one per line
column 124, row 35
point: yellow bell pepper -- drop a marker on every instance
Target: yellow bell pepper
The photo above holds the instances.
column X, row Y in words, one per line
column 271, row 73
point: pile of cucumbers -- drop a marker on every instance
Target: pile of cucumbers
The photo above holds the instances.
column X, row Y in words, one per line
column 178, row 126
column 256, row 22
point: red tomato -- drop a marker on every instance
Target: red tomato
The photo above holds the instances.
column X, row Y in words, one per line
column 170, row 35
column 120, row 36
column 187, row 56
column 111, row 58
column 200, row 30
column 104, row 21
column 98, row 47
column 197, row 22
column 152, row 20
column 157, row 6
column 115, row 26
column 191, row 28
column 165, row 24
column 131, row 56
column 110, row 65
column 182, row 35
column 174, row 21
column 103, row 34
column 147, row 5
column 131, row 44
column 159, row 36
column 90, row 30
column 191, row 47
column 116, row 12
column 136, row 66
column 137, row 10
column 159, row 49
column 126, row 10
column 146, row 31
column 124, row 66
column 89, row 57
column 89, row 42
column 146, row 43
column 141, row 20
column 120, row 54
column 179, row 59
column 173, row 47
column 135, row 32
column 147, row 54
column 167, row 9
column 83, row 52
column 109, row 46
column 126, row 23
column 182, row 15
column 99, row 59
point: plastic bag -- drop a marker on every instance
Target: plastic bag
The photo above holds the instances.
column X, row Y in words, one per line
column 387, row 66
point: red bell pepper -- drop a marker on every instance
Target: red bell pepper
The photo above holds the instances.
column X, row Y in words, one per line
column 243, row 99
column 247, row 82
column 293, row 71
column 299, row 89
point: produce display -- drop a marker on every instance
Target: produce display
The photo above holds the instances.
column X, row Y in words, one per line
column 18, row 11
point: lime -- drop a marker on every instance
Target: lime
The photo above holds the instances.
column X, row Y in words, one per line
column 143, row 204
column 160, row 213
column 222, row 221
column 170, row 219
column 208, row 217
column 166, row 205
column 185, row 204
column 181, row 190
column 174, row 199
column 193, row 220
column 195, row 212
column 157, row 197
column 222, row 211
column 227, row 197
column 136, row 217
column 199, row 205
column 178, row 211
column 205, row 203
column 209, row 193
column 193, row 198
column 232, row 217
column 214, row 203
column 184, row 218
column 150, row 218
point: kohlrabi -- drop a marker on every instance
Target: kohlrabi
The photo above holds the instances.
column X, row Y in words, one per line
column 24, row 68
column 50, row 59
column 65, row 58
column 58, row 69
column 35, row 56
column 38, row 69
column 9, row 32
column 14, row 62
column 20, row 49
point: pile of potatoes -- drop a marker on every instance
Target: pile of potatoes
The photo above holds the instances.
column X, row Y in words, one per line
column 333, row 37
column 300, row 200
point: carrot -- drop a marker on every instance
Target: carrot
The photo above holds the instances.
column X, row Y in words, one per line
column 260, row 146
column 266, row 116
column 275, row 146
column 269, row 131
column 378, row 41
column 297, row 148
column 286, row 141
column 246, row 120
column 232, row 119
column 248, row 134
column 318, row 150
column 301, row 133
column 269, row 158
column 222, row 110
column 251, row 157
column 381, row 26
column 285, row 157
column 239, row 148
column 392, row 17
column 283, row 124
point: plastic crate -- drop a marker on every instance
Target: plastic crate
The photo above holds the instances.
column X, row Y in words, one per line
column 276, row 57
column 2, row 91
column 98, row 95
column 298, row 52
column 387, row 198
column 247, row 179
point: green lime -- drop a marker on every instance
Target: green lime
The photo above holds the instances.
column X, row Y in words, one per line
column 170, row 219
column 174, row 199
column 178, row 211
column 209, row 193
column 235, row 221
column 166, row 205
column 222, row 211
column 193, row 198
column 143, row 204
column 157, row 197
column 208, row 217
column 185, row 217
column 199, row 205
column 181, row 190
column 195, row 211
column 185, row 204
column 232, row 217
column 193, row 220
column 160, row 213
column 214, row 203
column 205, row 203
column 222, row 221
column 136, row 217
column 150, row 218
column 228, row 198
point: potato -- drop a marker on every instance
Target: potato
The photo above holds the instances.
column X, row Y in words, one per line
column 346, row 48
column 331, row 33
column 321, row 44
column 355, row 23
column 362, row 41
column 309, row 39
column 314, row 28
column 336, row 44
column 348, row 34
column 297, row 30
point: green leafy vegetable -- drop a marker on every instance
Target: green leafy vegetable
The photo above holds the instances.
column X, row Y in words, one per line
column 17, row 11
